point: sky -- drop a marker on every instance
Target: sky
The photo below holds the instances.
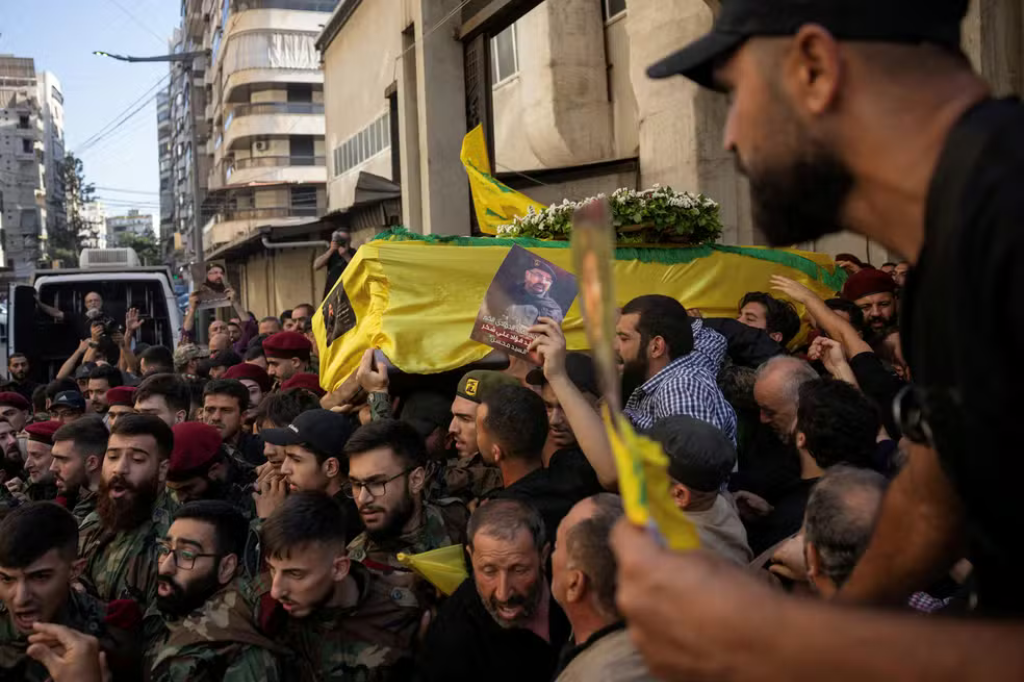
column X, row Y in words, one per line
column 61, row 36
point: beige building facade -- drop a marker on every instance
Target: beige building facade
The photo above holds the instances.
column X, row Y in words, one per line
column 561, row 89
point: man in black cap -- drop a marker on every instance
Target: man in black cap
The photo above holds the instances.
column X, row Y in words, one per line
column 314, row 459
column 865, row 115
column 67, row 406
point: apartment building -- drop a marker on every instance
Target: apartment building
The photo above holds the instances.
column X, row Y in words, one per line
column 561, row 90
column 165, row 156
column 136, row 223
column 51, row 102
column 22, row 166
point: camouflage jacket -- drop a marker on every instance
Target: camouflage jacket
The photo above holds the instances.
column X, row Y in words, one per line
column 444, row 524
column 469, row 478
column 85, row 504
column 123, row 564
column 217, row 643
column 357, row 644
column 112, row 626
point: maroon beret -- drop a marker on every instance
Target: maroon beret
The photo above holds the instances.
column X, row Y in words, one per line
column 196, row 445
column 14, row 400
column 287, row 345
column 121, row 395
column 310, row 382
column 251, row 372
column 867, row 282
column 42, row 432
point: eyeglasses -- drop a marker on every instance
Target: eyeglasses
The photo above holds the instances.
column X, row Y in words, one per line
column 183, row 558
column 376, row 488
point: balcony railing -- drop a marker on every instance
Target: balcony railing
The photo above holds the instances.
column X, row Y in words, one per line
column 272, row 109
column 271, row 162
column 304, row 5
column 267, row 213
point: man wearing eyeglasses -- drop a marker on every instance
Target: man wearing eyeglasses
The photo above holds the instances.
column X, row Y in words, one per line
column 201, row 627
column 387, row 476
column 314, row 460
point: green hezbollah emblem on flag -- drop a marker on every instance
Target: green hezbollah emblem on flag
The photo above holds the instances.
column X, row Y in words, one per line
column 496, row 204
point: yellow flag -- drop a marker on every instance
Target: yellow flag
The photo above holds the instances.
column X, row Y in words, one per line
column 443, row 568
column 496, row 204
column 645, row 486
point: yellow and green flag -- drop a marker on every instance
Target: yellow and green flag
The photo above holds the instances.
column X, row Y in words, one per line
column 496, row 203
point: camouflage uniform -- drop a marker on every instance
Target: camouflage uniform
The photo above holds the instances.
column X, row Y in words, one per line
column 85, row 614
column 123, row 565
column 85, row 504
column 216, row 643
column 470, row 478
column 357, row 644
column 444, row 524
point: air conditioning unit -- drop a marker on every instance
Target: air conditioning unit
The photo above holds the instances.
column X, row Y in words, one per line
column 108, row 258
column 261, row 145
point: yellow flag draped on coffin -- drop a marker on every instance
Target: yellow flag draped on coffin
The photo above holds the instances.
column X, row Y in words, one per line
column 416, row 297
column 495, row 203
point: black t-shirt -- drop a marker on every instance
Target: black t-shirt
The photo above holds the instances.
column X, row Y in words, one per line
column 544, row 492
column 335, row 268
column 464, row 643
column 572, row 471
column 878, row 384
column 785, row 519
column 963, row 333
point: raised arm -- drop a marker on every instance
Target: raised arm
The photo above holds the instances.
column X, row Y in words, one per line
column 827, row 320
column 67, row 370
column 323, row 258
column 586, row 423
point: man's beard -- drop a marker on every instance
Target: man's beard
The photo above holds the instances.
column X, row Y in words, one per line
column 393, row 522
column 529, row 601
column 130, row 511
column 182, row 602
column 634, row 375
column 802, row 201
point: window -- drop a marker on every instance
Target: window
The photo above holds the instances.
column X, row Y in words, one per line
column 505, row 54
column 300, row 92
column 304, row 200
column 56, row 94
column 23, row 121
column 367, row 143
column 26, row 145
column 301, row 150
column 614, row 8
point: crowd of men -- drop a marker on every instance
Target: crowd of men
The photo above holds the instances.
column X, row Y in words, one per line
column 212, row 513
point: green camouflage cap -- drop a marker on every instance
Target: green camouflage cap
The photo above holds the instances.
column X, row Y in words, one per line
column 475, row 385
column 187, row 352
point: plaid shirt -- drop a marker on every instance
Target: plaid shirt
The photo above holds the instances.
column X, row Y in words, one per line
column 686, row 386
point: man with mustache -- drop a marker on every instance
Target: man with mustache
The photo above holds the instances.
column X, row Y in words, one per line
column 15, row 409
column 387, row 475
column 531, row 298
column 77, row 461
column 120, row 401
column 331, row 611
column 38, row 456
column 18, row 381
column 867, row 115
column 874, row 292
column 133, row 510
column 10, row 465
column 501, row 624
column 201, row 628
column 664, row 373
column 38, row 546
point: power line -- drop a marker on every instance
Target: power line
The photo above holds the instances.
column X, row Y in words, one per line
column 137, row 20
column 120, row 119
column 125, row 191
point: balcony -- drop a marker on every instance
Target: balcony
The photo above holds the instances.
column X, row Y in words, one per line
column 271, row 169
column 300, row 5
column 270, row 120
column 234, row 224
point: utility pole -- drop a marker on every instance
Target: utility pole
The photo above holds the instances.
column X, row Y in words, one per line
column 184, row 59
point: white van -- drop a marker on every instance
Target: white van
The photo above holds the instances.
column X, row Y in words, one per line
column 113, row 273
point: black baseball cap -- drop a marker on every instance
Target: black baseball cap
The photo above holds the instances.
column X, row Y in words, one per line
column 69, row 399
column 580, row 369
column 700, row 456
column 904, row 21
column 322, row 431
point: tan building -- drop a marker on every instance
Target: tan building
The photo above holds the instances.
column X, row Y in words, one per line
column 561, row 90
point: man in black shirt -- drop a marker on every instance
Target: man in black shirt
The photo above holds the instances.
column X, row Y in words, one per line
column 17, row 377
column 865, row 115
column 511, row 428
column 336, row 258
column 501, row 623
